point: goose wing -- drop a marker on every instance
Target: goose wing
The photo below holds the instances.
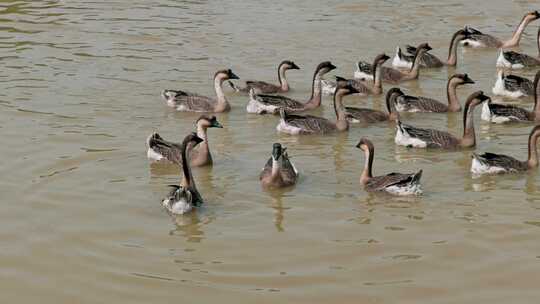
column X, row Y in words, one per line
column 501, row 161
column 365, row 115
column 365, row 67
column 288, row 172
column 279, row 101
column 433, row 138
column 379, row 183
column 169, row 150
column 512, row 112
column 407, row 103
column 519, row 58
column 263, row 86
column 310, row 123
column 428, row 60
column 193, row 102
column 517, row 83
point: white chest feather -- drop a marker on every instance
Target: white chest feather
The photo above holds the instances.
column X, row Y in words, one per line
column 153, row 155
column 404, row 139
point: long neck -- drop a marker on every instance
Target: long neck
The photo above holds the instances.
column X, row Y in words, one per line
column 203, row 146
column 516, row 37
column 452, row 51
column 368, row 164
column 391, row 107
column 341, row 124
column 469, row 138
column 413, row 72
column 532, row 160
column 453, row 102
column 276, row 167
column 536, row 109
column 218, row 82
column 538, row 41
column 282, row 79
column 315, row 99
column 187, row 178
column 377, row 85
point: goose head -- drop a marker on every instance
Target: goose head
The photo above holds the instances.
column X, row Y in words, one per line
column 225, row 75
column 461, row 79
column 289, row 65
column 381, row 58
column 365, row 145
column 168, row 94
column 208, row 122
column 394, row 92
column 324, row 67
column 531, row 16
column 475, row 99
column 277, row 151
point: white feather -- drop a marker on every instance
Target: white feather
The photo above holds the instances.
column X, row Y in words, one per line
column 283, row 127
column 404, row 139
column 400, row 63
column 472, row 43
column 500, row 89
column 479, row 168
column 503, row 63
column 153, row 155
column 328, row 87
column 409, row 189
column 178, row 207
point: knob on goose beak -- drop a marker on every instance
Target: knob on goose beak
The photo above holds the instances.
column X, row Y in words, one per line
column 276, row 151
column 232, row 75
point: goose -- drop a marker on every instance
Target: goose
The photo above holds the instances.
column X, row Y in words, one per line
column 190, row 102
column 410, row 136
column 491, row 163
column 279, row 171
column 407, row 103
column 265, row 87
column 161, row 150
column 515, row 60
column 391, row 75
column 365, row 115
column 270, row 104
column 500, row 113
column 512, row 86
column 364, row 88
column 182, row 198
column 428, row 60
column 393, row 183
column 478, row 39
column 309, row 124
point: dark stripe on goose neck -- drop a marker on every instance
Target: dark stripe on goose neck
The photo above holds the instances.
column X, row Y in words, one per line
column 185, row 162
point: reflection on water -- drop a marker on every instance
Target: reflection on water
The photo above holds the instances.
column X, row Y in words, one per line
column 81, row 92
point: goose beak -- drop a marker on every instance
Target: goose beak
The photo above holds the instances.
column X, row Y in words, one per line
column 295, row 67
column 331, row 67
column 466, row 79
column 428, row 48
column 385, row 57
column 233, row 75
column 276, row 151
column 216, row 124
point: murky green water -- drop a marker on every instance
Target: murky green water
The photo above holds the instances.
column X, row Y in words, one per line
column 80, row 219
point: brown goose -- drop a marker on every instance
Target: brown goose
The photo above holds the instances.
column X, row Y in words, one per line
column 364, row 88
column 279, row 171
column 478, row 39
column 407, row 103
column 160, row 149
column 181, row 199
column 392, row 75
column 393, row 183
column 410, row 136
column 190, row 102
column 265, row 87
column 428, row 60
column 500, row 113
column 270, row 104
column 515, row 60
column 309, row 124
column 365, row 115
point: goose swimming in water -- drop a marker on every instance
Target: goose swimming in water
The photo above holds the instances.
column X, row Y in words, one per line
column 181, row 199
column 393, row 183
column 478, row 39
column 410, row 136
column 500, row 113
column 160, row 149
column 512, row 86
column 270, row 104
column 366, row 115
column 364, row 88
column 428, row 60
column 391, row 75
column 279, row 171
column 190, row 102
column 515, row 60
column 406, row 103
column 268, row 88
column 309, row 124
column 491, row 163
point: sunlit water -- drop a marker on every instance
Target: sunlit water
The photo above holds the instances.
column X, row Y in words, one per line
column 80, row 217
